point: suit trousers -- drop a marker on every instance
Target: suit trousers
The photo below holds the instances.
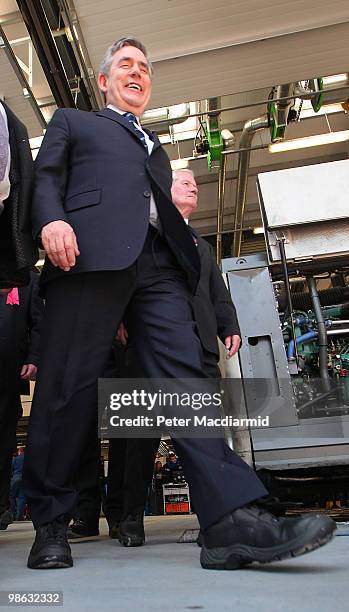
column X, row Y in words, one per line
column 10, row 368
column 131, row 463
column 81, row 317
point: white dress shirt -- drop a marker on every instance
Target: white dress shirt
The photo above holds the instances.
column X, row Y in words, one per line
column 153, row 214
column 5, row 184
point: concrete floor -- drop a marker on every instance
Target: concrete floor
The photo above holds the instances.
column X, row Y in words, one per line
column 165, row 575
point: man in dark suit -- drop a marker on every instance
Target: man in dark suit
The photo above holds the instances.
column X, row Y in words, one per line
column 18, row 252
column 119, row 250
column 214, row 311
column 215, row 315
column 21, row 312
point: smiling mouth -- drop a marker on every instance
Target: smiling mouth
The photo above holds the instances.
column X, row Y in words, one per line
column 134, row 87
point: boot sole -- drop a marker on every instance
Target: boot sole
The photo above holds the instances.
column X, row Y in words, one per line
column 75, row 539
column 130, row 542
column 5, row 523
column 50, row 563
column 237, row 556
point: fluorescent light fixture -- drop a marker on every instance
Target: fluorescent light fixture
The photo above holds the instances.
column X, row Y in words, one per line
column 335, row 79
column 258, row 230
column 179, row 164
column 327, row 109
column 309, row 141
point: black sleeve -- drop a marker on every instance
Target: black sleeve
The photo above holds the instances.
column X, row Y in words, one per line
column 51, row 174
column 35, row 313
column 227, row 321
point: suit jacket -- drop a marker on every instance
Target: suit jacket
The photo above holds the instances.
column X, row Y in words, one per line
column 214, row 311
column 94, row 172
column 18, row 252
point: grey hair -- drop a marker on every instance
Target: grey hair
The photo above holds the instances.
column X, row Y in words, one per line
column 187, row 170
column 128, row 41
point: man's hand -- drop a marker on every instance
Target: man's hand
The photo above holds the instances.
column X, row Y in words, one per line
column 232, row 344
column 29, row 371
column 122, row 334
column 59, row 241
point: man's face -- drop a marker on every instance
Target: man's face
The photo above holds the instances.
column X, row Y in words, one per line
column 185, row 193
column 128, row 85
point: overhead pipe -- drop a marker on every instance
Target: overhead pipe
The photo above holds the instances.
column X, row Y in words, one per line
column 284, row 97
column 341, row 91
column 285, row 93
column 250, row 128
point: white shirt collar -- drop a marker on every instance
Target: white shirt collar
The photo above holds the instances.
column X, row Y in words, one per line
column 121, row 112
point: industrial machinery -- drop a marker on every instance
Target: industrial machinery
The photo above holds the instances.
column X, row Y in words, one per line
column 293, row 305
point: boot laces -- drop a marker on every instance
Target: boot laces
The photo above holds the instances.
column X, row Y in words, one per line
column 261, row 512
column 55, row 532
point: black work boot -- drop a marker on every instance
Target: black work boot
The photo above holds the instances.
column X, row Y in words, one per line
column 251, row 534
column 82, row 530
column 113, row 525
column 6, row 518
column 131, row 531
column 51, row 549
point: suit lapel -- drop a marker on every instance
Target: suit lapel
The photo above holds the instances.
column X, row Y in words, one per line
column 155, row 139
column 108, row 113
column 195, row 237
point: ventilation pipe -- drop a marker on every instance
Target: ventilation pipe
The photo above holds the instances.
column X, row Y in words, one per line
column 283, row 106
column 220, row 208
column 250, row 128
column 279, row 119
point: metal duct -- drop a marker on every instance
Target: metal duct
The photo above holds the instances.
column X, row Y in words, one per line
column 283, row 106
column 250, row 128
column 220, row 208
column 159, row 120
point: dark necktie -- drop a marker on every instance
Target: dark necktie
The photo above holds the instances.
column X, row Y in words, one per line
column 132, row 119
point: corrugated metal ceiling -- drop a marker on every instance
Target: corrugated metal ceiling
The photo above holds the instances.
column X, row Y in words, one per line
column 171, row 28
column 177, row 32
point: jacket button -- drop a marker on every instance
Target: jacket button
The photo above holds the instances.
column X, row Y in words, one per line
column 146, row 194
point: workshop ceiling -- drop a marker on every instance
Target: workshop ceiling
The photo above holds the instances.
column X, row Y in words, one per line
column 203, row 49
column 234, row 49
